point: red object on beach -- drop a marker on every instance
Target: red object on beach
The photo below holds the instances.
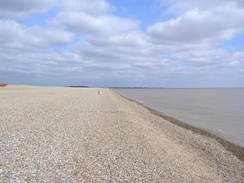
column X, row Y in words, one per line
column 3, row 84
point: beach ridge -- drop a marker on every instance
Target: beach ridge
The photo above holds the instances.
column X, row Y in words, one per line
column 61, row 134
column 235, row 149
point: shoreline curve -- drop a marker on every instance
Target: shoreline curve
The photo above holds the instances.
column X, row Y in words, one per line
column 229, row 146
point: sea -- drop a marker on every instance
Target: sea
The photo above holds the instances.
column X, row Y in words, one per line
column 219, row 111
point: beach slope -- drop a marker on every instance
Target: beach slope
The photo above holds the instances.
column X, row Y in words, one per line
column 55, row 134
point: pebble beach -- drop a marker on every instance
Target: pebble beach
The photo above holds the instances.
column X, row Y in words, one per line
column 61, row 134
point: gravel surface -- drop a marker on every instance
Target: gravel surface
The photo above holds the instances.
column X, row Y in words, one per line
column 50, row 134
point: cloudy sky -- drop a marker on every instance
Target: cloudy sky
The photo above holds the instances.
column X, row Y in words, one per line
column 167, row 43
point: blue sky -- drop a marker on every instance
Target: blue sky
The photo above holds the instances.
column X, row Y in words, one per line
column 166, row 43
column 236, row 43
column 147, row 11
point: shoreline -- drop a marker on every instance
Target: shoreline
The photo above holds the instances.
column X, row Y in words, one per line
column 95, row 135
column 229, row 146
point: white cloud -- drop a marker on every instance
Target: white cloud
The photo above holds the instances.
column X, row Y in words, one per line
column 93, row 24
column 179, row 7
column 51, row 36
column 101, row 47
column 132, row 49
column 16, row 36
column 201, row 27
column 86, row 6
column 20, row 8
column 214, row 57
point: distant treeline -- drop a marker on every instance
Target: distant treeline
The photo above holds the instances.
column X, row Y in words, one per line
column 79, row 86
column 136, row 87
column 118, row 87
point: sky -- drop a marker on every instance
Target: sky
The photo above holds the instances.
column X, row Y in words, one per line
column 149, row 43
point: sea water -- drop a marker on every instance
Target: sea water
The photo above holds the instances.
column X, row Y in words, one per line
column 220, row 111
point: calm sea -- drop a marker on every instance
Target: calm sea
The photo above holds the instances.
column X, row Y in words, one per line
column 220, row 111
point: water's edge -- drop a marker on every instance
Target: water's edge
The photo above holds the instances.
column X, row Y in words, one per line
column 235, row 149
